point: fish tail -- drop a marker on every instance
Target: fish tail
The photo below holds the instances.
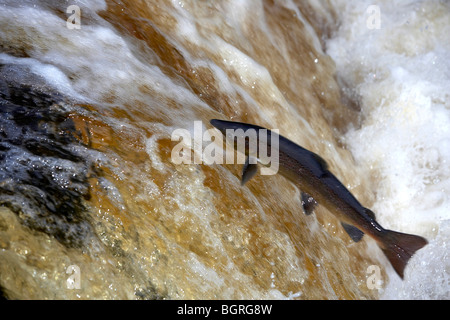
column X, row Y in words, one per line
column 400, row 247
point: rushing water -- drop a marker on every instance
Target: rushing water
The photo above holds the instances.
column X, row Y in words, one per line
column 94, row 207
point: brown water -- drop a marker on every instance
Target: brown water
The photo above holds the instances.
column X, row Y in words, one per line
column 138, row 226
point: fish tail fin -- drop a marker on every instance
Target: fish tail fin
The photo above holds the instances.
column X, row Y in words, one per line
column 400, row 247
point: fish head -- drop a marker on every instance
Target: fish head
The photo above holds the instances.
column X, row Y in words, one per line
column 246, row 138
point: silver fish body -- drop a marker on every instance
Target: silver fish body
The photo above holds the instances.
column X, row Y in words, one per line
column 310, row 173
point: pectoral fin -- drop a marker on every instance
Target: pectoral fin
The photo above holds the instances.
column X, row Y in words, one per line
column 248, row 171
column 353, row 232
column 308, row 203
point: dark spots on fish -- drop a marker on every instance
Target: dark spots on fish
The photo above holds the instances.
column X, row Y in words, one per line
column 43, row 176
column 397, row 247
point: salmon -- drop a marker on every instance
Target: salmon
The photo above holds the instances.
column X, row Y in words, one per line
column 310, row 173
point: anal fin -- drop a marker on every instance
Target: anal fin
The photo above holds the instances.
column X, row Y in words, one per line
column 353, row 232
column 308, row 203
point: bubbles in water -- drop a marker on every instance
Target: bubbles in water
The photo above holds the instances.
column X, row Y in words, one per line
column 404, row 128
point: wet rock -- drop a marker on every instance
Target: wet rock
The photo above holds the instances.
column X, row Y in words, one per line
column 93, row 188
column 43, row 179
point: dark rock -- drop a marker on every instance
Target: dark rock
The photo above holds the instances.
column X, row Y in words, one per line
column 43, row 175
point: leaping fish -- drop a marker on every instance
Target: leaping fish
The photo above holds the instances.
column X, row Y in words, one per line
column 309, row 172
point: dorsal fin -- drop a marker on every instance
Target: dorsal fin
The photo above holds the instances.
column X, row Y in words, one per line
column 369, row 213
column 321, row 161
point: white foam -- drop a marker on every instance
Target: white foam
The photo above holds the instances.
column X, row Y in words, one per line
column 94, row 62
column 53, row 75
column 400, row 73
